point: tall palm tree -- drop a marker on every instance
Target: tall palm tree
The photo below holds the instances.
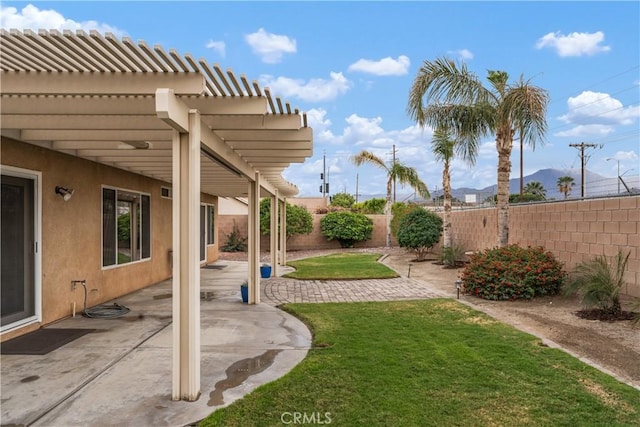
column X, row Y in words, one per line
column 536, row 188
column 444, row 148
column 565, row 184
column 396, row 172
column 447, row 94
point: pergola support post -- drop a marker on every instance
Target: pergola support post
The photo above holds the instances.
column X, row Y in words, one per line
column 254, row 239
column 283, row 232
column 186, row 261
column 273, row 235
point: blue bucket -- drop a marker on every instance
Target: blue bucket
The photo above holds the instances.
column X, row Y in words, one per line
column 265, row 271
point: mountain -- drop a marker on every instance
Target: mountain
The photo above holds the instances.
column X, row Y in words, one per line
column 595, row 185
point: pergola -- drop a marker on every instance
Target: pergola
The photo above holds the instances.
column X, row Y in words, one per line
column 166, row 116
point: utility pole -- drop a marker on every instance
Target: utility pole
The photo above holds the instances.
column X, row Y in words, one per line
column 582, row 146
column 323, row 176
column 357, row 188
column 394, row 178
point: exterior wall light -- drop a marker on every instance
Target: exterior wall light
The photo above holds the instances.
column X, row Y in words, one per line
column 64, row 192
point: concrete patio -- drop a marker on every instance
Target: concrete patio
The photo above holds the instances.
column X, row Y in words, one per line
column 120, row 374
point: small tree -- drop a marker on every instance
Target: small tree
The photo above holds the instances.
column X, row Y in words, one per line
column 235, row 242
column 373, row 206
column 299, row 220
column 346, row 227
column 343, row 200
column 536, row 188
column 565, row 184
column 400, row 211
column 419, row 231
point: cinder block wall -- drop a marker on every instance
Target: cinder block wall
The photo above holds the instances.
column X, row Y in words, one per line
column 315, row 240
column 573, row 230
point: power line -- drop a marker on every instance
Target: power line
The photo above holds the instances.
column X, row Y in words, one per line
column 582, row 146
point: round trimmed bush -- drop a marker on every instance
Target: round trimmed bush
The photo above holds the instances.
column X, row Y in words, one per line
column 346, row 227
column 419, row 230
column 512, row 273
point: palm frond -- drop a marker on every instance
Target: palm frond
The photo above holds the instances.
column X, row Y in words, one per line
column 443, row 81
column 406, row 175
column 525, row 105
column 368, row 157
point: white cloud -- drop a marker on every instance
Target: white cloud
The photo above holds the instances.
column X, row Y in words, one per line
column 30, row 17
column 625, row 155
column 384, row 67
column 270, row 47
column 464, row 54
column 574, row 44
column 595, row 114
column 217, row 46
column 586, row 130
column 314, row 90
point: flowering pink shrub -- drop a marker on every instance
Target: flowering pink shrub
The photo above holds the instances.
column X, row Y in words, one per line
column 512, row 273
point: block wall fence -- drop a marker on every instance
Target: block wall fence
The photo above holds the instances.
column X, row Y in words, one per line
column 573, row 231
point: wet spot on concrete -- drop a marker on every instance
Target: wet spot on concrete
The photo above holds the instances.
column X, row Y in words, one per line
column 160, row 407
column 162, row 296
column 30, row 379
column 207, row 295
column 238, row 372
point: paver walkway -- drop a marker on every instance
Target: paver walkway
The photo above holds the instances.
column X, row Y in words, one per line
column 279, row 290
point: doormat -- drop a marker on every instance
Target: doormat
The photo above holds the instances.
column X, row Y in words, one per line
column 214, row 267
column 42, row 341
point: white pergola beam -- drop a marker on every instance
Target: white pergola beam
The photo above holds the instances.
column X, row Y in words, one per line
column 82, row 122
column 111, row 83
column 303, row 134
column 255, row 121
column 95, row 135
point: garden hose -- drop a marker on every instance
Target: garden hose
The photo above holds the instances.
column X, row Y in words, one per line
column 103, row 311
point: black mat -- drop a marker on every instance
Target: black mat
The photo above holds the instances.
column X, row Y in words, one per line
column 41, row 341
column 214, row 267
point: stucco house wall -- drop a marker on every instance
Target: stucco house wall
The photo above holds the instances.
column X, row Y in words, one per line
column 71, row 245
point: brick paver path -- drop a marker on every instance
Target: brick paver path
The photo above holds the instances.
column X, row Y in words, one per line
column 278, row 290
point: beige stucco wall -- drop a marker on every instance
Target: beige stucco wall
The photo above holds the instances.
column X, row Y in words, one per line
column 71, row 231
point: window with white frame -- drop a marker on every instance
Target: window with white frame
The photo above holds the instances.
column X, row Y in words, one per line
column 126, row 226
column 210, row 223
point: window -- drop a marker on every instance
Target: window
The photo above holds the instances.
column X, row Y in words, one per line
column 166, row 192
column 210, row 223
column 126, row 226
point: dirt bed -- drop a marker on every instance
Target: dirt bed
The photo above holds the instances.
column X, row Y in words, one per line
column 612, row 346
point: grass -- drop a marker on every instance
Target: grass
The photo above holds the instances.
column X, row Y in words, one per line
column 341, row 266
column 430, row 363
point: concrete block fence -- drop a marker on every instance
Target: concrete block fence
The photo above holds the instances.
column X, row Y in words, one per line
column 572, row 230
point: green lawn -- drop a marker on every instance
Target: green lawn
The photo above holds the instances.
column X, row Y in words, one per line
column 430, row 363
column 342, row 266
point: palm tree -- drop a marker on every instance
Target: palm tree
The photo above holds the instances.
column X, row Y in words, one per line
column 536, row 188
column 444, row 147
column 565, row 184
column 396, row 172
column 447, row 94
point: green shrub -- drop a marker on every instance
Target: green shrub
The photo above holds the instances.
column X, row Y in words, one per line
column 346, row 227
column 451, row 257
column 599, row 282
column 343, row 200
column 399, row 210
column 370, row 207
column 419, row 231
column 299, row 220
column 512, row 273
column 235, row 242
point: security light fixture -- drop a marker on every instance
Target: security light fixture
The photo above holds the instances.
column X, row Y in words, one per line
column 64, row 192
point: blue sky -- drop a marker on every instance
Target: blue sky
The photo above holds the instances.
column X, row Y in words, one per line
column 350, row 66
